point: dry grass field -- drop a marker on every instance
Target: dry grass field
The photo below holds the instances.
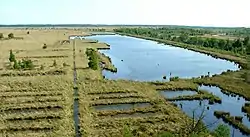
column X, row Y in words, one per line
column 37, row 102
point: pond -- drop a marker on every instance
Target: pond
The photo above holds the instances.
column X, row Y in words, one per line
column 232, row 104
column 145, row 60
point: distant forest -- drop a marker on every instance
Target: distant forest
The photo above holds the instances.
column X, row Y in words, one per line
column 240, row 44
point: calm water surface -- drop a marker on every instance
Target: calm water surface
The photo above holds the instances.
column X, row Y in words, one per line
column 229, row 104
column 145, row 60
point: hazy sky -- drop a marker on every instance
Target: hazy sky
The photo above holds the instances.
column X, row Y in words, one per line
column 166, row 12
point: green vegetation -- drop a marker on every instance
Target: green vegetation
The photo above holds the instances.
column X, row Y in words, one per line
column 246, row 109
column 106, row 62
column 44, row 46
column 236, row 121
column 221, row 131
column 11, row 36
column 176, row 78
column 1, row 35
column 12, row 57
column 21, row 64
column 93, row 58
column 233, row 82
column 24, row 64
column 192, row 37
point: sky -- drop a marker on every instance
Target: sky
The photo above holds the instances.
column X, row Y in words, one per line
column 227, row 13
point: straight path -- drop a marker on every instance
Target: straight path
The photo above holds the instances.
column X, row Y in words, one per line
column 76, row 101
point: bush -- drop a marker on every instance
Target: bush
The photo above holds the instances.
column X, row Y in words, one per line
column 174, row 78
column 44, row 46
column 127, row 132
column 65, row 64
column 16, row 65
column 54, row 63
column 42, row 67
column 1, row 35
column 24, row 64
column 11, row 35
column 12, row 57
column 27, row 64
column 222, row 131
column 93, row 59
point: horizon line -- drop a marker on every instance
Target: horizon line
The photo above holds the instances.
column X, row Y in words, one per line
column 47, row 24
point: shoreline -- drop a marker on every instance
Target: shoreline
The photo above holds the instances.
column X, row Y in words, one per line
column 236, row 59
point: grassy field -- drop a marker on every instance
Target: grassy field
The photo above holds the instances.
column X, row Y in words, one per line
column 37, row 102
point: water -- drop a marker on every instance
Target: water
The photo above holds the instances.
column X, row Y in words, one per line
column 173, row 94
column 121, row 106
column 229, row 104
column 145, row 60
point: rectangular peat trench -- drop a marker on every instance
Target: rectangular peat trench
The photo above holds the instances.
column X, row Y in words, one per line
column 172, row 94
column 126, row 106
column 136, row 114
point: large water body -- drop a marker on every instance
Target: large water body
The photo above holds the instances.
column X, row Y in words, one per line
column 145, row 60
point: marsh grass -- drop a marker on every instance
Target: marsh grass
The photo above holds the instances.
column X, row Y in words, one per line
column 107, row 92
column 37, row 102
column 229, row 82
column 236, row 121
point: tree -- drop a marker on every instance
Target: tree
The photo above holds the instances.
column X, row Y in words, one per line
column 237, row 44
column 12, row 57
column 248, row 48
column 222, row 131
column 246, row 40
column 11, row 35
column 1, row 35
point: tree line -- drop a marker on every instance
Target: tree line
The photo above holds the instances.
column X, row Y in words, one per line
column 192, row 36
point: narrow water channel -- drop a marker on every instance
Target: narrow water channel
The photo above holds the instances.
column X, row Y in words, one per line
column 232, row 104
column 76, row 101
column 121, row 106
column 145, row 60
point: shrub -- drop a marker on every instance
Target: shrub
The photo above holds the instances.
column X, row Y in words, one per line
column 93, row 59
column 176, row 78
column 44, row 46
column 24, row 64
column 11, row 35
column 12, row 57
column 42, row 67
column 27, row 64
column 65, row 64
column 1, row 35
column 16, row 65
column 54, row 63
column 127, row 132
column 222, row 131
